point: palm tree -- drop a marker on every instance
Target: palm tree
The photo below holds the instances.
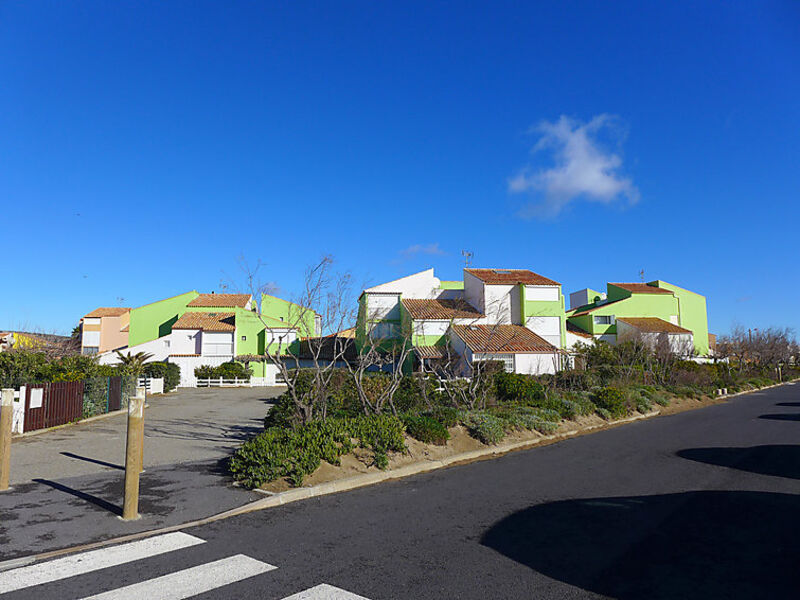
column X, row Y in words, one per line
column 133, row 364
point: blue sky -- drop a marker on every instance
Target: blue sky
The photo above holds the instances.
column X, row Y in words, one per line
column 145, row 146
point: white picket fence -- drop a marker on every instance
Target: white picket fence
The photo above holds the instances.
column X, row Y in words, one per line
column 221, row 382
column 151, row 385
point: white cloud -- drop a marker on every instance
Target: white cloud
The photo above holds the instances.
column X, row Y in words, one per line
column 432, row 249
column 582, row 169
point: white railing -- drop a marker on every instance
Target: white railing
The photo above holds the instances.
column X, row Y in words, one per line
column 220, row 382
column 151, row 385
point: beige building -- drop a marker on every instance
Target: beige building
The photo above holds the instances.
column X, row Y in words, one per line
column 105, row 329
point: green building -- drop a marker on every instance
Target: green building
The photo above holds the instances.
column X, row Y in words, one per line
column 667, row 309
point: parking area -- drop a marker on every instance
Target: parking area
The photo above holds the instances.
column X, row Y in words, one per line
column 189, row 425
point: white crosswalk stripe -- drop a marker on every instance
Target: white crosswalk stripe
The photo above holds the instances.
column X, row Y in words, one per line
column 179, row 585
column 325, row 592
column 190, row 582
column 94, row 560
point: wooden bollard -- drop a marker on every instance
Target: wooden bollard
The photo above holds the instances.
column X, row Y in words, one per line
column 6, row 414
column 133, row 456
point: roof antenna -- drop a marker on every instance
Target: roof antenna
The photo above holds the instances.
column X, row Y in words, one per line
column 467, row 257
column 641, row 275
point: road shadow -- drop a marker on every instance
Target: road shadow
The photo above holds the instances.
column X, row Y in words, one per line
column 775, row 460
column 710, row 544
column 93, row 460
column 104, row 504
column 788, row 404
column 782, row 417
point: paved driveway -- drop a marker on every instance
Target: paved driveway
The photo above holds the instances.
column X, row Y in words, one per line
column 186, row 426
column 68, row 483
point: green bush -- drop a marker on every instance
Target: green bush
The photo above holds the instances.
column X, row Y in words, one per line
column 446, row 415
column 484, row 426
column 542, row 420
column 426, row 429
column 612, row 399
column 660, row 399
column 296, row 453
column 228, row 370
column 170, row 372
column 514, row 387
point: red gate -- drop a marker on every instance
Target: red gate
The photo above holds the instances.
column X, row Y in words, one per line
column 51, row 404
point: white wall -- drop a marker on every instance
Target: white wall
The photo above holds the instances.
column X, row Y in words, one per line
column 160, row 349
column 217, row 343
column 548, row 328
column 473, row 291
column 498, row 304
column 535, row 364
column 284, row 336
column 542, row 293
column 184, row 341
column 430, row 327
column 419, row 285
column 383, row 306
column 573, row 339
column 91, row 338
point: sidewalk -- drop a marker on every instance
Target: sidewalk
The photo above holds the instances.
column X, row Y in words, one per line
column 67, row 484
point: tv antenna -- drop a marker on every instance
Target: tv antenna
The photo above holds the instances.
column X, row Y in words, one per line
column 641, row 275
column 467, row 257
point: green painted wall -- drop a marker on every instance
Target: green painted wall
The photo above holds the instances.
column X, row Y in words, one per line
column 154, row 320
column 289, row 312
column 637, row 305
column 693, row 314
column 539, row 308
column 451, row 285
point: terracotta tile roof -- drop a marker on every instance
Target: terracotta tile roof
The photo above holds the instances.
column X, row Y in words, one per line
column 572, row 328
column 641, row 288
column 220, row 300
column 185, row 355
column 507, row 339
column 652, row 325
column 440, row 308
column 207, row 321
column 426, row 352
column 107, row 311
column 510, row 276
column 585, row 311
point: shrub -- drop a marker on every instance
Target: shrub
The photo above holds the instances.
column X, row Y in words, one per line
column 228, row 370
column 525, row 417
column 296, row 453
column 611, row 399
column 583, row 404
column 485, row 427
column 515, row 387
column 169, row 371
column 643, row 405
column 426, row 429
column 660, row 399
column 604, row 413
column 446, row 415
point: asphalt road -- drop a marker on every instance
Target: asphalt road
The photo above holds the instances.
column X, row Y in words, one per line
column 703, row 504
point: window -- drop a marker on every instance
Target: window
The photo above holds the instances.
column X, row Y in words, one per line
column 506, row 359
column 604, row 320
column 166, row 343
column 244, row 338
column 90, row 349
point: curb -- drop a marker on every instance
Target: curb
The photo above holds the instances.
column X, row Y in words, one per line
column 350, row 483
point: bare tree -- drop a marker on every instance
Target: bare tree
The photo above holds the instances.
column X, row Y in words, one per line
column 323, row 306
